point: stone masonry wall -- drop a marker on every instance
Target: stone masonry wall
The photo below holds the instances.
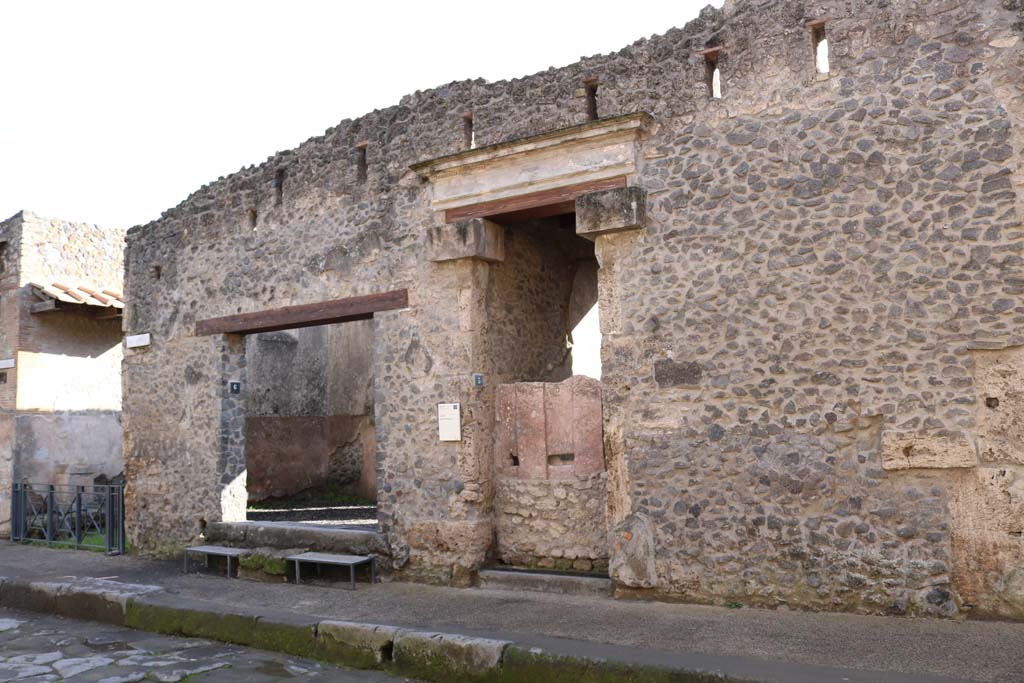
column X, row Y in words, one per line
column 836, row 258
column 790, row 347
column 61, row 402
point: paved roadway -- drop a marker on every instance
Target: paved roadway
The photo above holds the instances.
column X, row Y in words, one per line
column 36, row 649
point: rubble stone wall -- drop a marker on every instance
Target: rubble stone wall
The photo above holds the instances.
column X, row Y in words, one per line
column 791, row 345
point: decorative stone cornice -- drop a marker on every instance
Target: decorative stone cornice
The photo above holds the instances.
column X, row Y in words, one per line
column 589, row 152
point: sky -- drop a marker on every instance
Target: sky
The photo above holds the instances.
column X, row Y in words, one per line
column 112, row 112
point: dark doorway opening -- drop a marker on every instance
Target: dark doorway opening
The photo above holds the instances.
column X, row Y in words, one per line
column 546, row 312
column 310, row 445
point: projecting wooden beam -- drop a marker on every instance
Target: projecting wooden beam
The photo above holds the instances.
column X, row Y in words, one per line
column 306, row 315
column 521, row 203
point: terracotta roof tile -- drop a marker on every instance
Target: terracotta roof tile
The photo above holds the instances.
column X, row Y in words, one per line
column 83, row 294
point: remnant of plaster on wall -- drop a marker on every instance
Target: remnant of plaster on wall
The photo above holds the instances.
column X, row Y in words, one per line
column 6, row 470
column 988, row 539
column 999, row 382
column 611, row 251
column 924, row 451
column 631, row 544
column 446, row 551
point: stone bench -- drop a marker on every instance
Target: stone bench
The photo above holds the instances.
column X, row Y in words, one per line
column 216, row 550
column 350, row 561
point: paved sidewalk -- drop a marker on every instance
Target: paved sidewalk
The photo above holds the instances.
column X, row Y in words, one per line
column 38, row 648
column 762, row 645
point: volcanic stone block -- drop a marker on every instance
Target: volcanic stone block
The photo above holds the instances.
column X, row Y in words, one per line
column 472, row 238
column 615, row 210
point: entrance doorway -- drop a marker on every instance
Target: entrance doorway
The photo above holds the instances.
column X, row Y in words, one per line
column 297, row 417
column 310, row 444
column 550, row 475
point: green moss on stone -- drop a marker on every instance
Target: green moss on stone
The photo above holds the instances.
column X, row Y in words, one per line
column 295, row 639
column 268, row 564
column 522, row 666
column 182, row 621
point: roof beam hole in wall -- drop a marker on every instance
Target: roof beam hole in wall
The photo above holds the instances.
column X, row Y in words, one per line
column 590, row 88
column 820, row 40
column 468, row 134
column 713, row 73
column 361, row 162
column 279, row 187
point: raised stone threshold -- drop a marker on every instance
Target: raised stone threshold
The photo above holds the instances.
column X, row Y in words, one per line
column 290, row 535
column 542, row 582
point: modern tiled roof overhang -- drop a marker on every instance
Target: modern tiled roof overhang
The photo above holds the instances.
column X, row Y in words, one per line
column 55, row 296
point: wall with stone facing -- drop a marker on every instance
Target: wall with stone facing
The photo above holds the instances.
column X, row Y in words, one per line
column 834, row 265
column 822, row 263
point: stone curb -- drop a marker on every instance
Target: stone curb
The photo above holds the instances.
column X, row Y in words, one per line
column 426, row 655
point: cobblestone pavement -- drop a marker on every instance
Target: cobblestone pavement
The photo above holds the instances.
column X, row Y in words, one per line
column 36, row 648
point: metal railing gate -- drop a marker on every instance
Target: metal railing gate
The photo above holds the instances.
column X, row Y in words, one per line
column 89, row 517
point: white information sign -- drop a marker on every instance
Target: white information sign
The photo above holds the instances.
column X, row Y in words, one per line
column 449, row 422
column 134, row 341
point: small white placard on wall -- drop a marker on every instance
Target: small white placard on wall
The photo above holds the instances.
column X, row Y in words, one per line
column 449, row 422
column 134, row 341
column 6, row 364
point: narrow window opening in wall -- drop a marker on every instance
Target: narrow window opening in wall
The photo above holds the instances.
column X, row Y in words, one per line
column 361, row 162
column 514, row 459
column 3, row 256
column 820, row 40
column 992, row 402
column 713, row 74
column 590, row 87
column 468, row 134
column 3, row 378
column 252, row 218
column 279, row 187
column 561, row 458
column 157, row 272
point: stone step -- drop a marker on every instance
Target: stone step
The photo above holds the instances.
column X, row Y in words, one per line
column 293, row 535
column 566, row 584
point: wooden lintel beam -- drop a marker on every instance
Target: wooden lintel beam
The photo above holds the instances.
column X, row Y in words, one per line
column 511, row 205
column 306, row 315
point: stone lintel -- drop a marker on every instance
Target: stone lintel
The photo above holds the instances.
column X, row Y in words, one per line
column 471, row 238
column 607, row 211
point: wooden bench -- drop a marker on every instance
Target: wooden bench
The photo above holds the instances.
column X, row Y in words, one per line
column 350, row 561
column 216, row 550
